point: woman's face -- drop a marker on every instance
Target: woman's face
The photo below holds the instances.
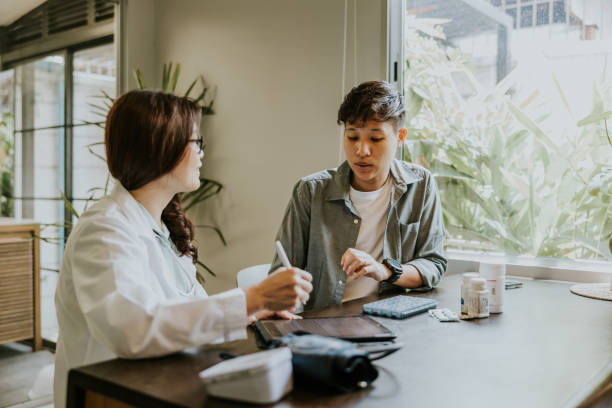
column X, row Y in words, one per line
column 185, row 176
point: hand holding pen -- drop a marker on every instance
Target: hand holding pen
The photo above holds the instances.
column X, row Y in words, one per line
column 284, row 289
column 285, row 261
column 280, row 251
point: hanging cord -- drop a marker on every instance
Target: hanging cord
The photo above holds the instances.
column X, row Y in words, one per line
column 340, row 144
column 354, row 42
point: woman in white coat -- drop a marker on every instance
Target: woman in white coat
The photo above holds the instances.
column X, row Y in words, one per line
column 127, row 285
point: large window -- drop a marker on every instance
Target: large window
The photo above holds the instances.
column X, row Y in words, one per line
column 508, row 102
column 58, row 159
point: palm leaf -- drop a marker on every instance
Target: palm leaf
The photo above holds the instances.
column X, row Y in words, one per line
column 199, row 263
column 202, row 94
column 68, row 205
column 139, row 79
column 207, row 189
column 166, row 77
column 595, row 117
column 190, row 88
column 563, row 97
column 217, row 230
column 533, row 127
column 173, row 81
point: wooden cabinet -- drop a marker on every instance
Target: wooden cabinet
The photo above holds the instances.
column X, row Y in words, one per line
column 20, row 282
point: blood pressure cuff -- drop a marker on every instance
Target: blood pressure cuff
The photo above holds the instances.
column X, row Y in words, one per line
column 336, row 364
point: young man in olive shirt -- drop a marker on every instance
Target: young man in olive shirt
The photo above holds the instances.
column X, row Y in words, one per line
column 372, row 221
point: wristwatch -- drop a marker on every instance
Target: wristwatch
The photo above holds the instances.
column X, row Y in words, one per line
column 395, row 268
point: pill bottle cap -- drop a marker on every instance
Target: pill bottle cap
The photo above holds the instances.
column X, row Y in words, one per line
column 478, row 284
column 468, row 276
column 490, row 270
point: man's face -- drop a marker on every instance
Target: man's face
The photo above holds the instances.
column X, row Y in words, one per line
column 370, row 147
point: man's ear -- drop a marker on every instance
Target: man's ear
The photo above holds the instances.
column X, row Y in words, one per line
column 401, row 135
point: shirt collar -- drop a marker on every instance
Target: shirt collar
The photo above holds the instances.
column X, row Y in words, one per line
column 341, row 180
column 163, row 232
column 140, row 218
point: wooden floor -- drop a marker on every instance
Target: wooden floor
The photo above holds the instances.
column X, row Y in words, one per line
column 19, row 369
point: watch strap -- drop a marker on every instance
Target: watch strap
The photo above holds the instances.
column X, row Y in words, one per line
column 395, row 267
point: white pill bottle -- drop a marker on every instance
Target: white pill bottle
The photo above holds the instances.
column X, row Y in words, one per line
column 478, row 305
column 465, row 290
column 495, row 275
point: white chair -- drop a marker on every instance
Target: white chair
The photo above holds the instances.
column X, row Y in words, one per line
column 252, row 275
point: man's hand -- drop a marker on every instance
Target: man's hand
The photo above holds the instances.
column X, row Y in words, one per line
column 282, row 290
column 269, row 314
column 358, row 263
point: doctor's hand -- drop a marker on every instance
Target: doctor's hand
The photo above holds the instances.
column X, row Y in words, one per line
column 282, row 290
column 358, row 263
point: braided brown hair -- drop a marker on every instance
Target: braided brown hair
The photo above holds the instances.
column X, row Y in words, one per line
column 146, row 136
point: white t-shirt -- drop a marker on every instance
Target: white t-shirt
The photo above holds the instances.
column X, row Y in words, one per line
column 372, row 207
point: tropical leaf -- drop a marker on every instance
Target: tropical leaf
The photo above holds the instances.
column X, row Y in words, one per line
column 166, row 76
column 68, row 204
column 173, row 81
column 188, row 91
column 206, row 268
column 207, row 189
column 533, row 127
column 202, row 94
column 595, row 118
column 413, row 104
column 217, row 230
column 441, row 169
column 562, row 94
column 139, row 79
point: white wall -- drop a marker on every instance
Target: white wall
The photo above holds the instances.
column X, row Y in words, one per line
column 135, row 43
column 278, row 69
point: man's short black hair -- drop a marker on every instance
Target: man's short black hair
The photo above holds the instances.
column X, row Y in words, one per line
column 373, row 100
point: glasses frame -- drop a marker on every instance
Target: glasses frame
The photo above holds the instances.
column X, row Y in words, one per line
column 200, row 143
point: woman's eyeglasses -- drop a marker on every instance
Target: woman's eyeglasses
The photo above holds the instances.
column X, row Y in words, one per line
column 199, row 143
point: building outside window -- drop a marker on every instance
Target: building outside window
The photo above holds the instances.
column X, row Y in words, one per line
column 529, row 13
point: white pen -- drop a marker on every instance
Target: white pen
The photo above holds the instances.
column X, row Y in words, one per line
column 282, row 255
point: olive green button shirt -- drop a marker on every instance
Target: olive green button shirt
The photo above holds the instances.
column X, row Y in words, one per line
column 321, row 223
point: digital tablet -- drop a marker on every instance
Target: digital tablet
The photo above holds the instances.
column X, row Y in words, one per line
column 353, row 328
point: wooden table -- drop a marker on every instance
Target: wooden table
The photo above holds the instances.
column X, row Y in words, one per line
column 545, row 349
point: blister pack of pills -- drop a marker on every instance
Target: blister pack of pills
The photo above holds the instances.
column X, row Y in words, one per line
column 444, row 315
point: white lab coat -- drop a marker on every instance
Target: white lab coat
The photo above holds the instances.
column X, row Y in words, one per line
column 116, row 296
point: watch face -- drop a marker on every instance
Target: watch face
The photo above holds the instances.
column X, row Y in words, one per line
column 392, row 263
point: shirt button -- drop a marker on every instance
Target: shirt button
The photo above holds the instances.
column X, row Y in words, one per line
column 356, row 221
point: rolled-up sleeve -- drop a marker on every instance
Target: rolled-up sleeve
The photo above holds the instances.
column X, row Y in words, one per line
column 429, row 256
